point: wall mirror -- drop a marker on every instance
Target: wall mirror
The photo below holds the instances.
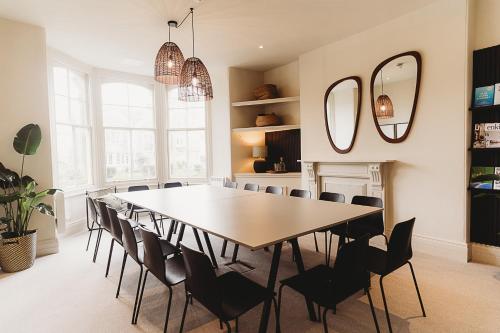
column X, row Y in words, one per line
column 342, row 106
column 394, row 91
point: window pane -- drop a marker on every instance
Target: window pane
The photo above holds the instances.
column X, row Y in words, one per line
column 115, row 116
column 62, row 109
column 60, row 81
column 117, row 147
column 78, row 114
column 73, row 156
column 197, row 159
column 178, row 159
column 76, row 85
column 196, row 118
column 141, row 117
column 115, row 93
column 177, row 118
column 144, row 157
column 140, row 96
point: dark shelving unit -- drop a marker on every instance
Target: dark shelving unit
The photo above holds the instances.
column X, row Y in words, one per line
column 485, row 203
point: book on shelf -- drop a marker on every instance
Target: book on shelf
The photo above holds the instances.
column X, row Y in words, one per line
column 479, row 139
column 496, row 182
column 484, row 96
column 482, row 177
column 492, row 135
column 497, row 94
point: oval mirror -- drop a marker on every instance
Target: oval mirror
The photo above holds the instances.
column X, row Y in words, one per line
column 342, row 105
column 394, row 91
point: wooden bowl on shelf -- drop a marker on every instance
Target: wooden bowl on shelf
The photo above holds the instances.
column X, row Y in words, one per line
column 266, row 91
column 267, row 120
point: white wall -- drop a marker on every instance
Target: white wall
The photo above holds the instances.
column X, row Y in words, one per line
column 429, row 178
column 23, row 100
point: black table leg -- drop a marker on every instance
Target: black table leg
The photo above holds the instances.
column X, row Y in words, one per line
column 235, row 253
column 271, row 282
column 300, row 269
column 210, row 250
column 181, row 235
column 198, row 240
column 170, row 230
column 153, row 219
column 131, row 212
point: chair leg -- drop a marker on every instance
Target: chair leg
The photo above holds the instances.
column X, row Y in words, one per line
column 326, row 248
column 220, row 324
column 236, row 328
column 372, row 309
column 319, row 312
column 325, row 326
column 315, row 242
column 184, row 312
column 168, row 308
column 277, row 314
column 97, row 243
column 386, row 240
column 90, row 235
column 385, row 305
column 418, row 291
column 121, row 273
column 137, row 296
column 330, row 249
column 279, row 296
column 110, row 254
column 170, row 230
column 235, row 253
column 140, row 297
column 228, row 327
column 223, row 251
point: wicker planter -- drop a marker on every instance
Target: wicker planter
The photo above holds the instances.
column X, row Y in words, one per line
column 17, row 253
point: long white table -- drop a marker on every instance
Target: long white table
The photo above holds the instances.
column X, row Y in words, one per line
column 251, row 219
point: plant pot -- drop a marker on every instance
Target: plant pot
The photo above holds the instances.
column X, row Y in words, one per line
column 17, row 253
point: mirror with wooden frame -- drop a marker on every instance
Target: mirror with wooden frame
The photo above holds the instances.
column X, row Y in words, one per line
column 342, row 106
column 394, row 89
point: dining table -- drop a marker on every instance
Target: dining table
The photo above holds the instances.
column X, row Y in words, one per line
column 254, row 220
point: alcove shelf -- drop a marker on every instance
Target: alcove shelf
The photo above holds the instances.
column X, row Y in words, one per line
column 268, row 101
column 485, row 108
column 267, row 128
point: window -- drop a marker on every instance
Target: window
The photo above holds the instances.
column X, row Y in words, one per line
column 72, row 128
column 129, row 131
column 186, row 135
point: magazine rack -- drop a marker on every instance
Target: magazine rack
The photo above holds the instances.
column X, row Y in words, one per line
column 485, row 203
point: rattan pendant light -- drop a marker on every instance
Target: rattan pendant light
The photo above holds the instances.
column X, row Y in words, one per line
column 383, row 106
column 195, row 84
column 169, row 61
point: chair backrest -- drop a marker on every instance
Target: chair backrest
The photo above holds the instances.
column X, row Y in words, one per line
column 134, row 189
column 300, row 193
column 230, row 184
column 330, row 196
column 102, row 208
column 201, row 280
column 274, row 190
column 373, row 222
column 153, row 254
column 172, row 184
column 350, row 271
column 94, row 215
column 116, row 229
column 251, row 187
column 399, row 248
column 129, row 240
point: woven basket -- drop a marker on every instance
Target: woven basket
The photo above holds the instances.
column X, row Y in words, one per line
column 266, row 91
column 267, row 120
column 17, row 253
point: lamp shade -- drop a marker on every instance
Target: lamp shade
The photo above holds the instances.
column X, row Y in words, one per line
column 383, row 107
column 195, row 84
column 168, row 64
column 259, row 151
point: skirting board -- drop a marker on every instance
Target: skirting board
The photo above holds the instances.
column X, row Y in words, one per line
column 452, row 250
column 47, row 246
column 75, row 227
column 485, row 254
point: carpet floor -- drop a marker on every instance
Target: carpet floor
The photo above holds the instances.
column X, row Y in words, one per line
column 66, row 292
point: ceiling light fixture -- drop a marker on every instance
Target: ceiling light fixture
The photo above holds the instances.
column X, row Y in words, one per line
column 169, row 60
column 195, row 84
column 383, row 106
column 261, row 46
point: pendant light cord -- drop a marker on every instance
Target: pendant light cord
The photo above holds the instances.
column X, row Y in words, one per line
column 192, row 27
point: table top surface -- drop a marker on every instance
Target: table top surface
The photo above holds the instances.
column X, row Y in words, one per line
column 251, row 219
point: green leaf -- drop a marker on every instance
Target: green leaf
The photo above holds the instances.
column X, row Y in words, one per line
column 26, row 180
column 50, row 191
column 45, row 209
column 28, row 139
column 30, row 187
column 8, row 198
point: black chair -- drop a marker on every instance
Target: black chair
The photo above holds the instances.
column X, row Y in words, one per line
column 137, row 210
column 94, row 217
column 372, row 224
column 251, row 187
column 300, row 193
column 227, row 296
column 230, row 184
column 169, row 271
column 333, row 197
column 131, row 237
column 172, row 184
column 327, row 286
column 173, row 224
column 398, row 254
column 102, row 211
column 274, row 190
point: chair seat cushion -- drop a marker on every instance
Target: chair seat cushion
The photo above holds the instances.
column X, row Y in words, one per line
column 377, row 260
column 175, row 271
column 240, row 294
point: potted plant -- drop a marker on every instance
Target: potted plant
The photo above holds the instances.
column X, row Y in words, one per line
column 19, row 199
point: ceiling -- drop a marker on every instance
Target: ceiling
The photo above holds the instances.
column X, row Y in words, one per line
column 126, row 34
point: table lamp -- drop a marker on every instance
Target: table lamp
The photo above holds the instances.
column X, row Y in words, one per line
column 260, row 153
